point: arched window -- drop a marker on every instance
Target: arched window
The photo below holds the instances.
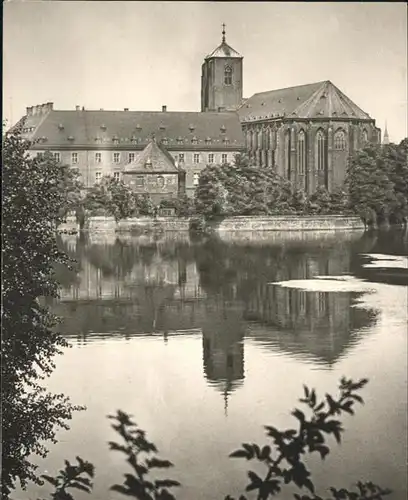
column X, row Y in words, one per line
column 340, row 140
column 260, row 139
column 321, row 151
column 255, row 139
column 287, row 153
column 228, row 75
column 301, row 152
column 365, row 136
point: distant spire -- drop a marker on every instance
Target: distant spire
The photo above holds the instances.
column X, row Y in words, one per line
column 386, row 139
column 223, row 32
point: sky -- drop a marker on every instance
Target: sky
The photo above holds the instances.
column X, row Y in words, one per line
column 142, row 55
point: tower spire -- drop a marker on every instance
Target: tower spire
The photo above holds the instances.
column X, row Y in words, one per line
column 223, row 32
column 386, row 139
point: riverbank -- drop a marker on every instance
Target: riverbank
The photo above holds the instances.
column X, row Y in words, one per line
column 141, row 225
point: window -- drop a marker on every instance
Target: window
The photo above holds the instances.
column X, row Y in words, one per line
column 181, row 157
column 40, row 155
column 196, row 158
column 211, row 158
column 228, row 75
column 131, row 157
column 98, row 177
column 116, row 176
column 160, row 181
column 98, row 157
column 287, row 153
column 301, row 152
column 139, row 181
column 196, row 179
column 116, row 157
column 321, row 151
column 224, row 158
column 74, row 158
column 194, row 140
column 340, row 140
column 57, row 157
column 365, row 136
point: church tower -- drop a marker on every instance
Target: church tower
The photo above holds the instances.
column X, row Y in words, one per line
column 221, row 79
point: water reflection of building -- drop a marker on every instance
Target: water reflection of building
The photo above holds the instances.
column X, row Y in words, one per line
column 311, row 324
column 221, row 290
column 223, row 349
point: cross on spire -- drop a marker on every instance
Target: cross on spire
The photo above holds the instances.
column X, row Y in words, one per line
column 223, row 32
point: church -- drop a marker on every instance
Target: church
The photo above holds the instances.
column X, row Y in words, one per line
column 305, row 132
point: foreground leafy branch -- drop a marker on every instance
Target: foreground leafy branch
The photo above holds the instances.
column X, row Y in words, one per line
column 283, row 457
column 137, row 485
column 72, row 476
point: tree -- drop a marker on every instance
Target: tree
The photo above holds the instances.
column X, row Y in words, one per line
column 395, row 159
column 33, row 205
column 369, row 186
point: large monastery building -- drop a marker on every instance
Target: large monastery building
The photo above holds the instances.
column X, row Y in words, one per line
column 305, row 132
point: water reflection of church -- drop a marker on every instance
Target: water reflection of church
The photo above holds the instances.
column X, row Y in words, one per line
column 128, row 289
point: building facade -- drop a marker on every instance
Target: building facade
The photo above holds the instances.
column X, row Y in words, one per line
column 305, row 132
column 100, row 143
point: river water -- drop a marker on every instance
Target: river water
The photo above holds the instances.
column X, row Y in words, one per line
column 205, row 342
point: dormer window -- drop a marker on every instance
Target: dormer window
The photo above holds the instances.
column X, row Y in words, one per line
column 148, row 163
column 44, row 139
column 223, row 129
column 208, row 140
column 103, row 126
column 115, row 139
column 71, row 138
column 194, row 140
column 228, row 75
column 165, row 141
column 138, row 127
column 179, row 140
column 60, row 126
column 226, row 140
column 162, row 127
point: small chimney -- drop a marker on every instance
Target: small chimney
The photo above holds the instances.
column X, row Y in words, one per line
column 164, row 108
column 125, row 109
column 77, row 108
column 29, row 111
column 83, row 108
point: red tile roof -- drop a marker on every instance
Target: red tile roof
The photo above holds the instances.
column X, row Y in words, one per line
column 315, row 100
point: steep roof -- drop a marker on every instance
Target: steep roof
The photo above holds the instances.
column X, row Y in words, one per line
column 224, row 50
column 315, row 100
column 154, row 158
column 185, row 130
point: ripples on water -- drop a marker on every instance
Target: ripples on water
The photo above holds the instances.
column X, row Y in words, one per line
column 205, row 342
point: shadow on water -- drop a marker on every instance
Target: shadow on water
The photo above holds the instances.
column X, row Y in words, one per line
column 221, row 290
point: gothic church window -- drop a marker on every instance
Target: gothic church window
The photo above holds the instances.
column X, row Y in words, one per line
column 320, row 151
column 287, row 153
column 228, row 75
column 340, row 140
column 301, row 152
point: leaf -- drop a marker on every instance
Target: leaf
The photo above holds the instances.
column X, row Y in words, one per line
column 156, row 462
column 256, row 481
column 166, row 483
column 80, row 486
column 265, row 453
column 306, row 389
column 239, row 454
column 50, row 479
column 309, row 485
column 299, row 415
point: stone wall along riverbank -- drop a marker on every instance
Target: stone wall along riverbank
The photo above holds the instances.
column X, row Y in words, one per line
column 235, row 224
